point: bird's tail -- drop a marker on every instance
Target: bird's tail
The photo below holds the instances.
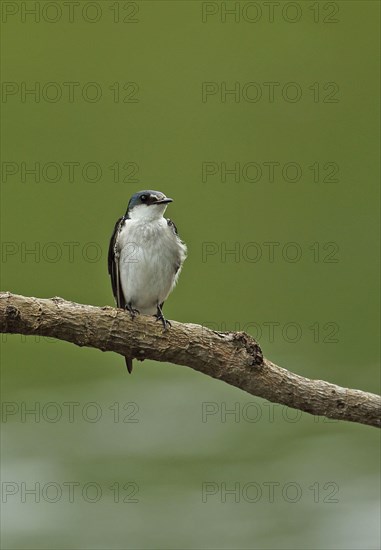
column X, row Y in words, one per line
column 128, row 364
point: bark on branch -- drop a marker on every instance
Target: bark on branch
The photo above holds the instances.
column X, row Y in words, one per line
column 234, row 357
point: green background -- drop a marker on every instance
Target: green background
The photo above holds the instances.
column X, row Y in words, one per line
column 169, row 132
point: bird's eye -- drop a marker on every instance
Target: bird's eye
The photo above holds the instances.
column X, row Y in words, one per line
column 143, row 198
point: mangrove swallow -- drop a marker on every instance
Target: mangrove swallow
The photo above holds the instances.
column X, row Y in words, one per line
column 145, row 257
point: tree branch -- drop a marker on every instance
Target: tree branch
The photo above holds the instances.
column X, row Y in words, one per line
column 234, row 357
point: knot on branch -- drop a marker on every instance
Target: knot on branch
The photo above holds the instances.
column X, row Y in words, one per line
column 251, row 346
column 12, row 313
column 13, row 316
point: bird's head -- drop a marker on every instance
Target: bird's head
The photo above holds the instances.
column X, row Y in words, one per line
column 147, row 205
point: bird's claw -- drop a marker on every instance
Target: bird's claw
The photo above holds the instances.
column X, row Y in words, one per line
column 160, row 317
column 132, row 311
column 166, row 323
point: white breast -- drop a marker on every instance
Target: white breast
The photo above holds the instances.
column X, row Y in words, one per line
column 149, row 255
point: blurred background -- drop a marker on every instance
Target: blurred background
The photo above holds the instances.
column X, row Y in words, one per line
column 262, row 124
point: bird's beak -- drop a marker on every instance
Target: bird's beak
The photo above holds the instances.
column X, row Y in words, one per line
column 166, row 200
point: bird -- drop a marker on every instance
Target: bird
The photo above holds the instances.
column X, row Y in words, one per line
column 145, row 257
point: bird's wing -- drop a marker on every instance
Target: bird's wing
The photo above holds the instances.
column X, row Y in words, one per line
column 173, row 228
column 113, row 264
column 113, row 269
column 171, row 224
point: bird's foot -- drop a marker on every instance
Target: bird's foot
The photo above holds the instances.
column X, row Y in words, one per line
column 132, row 311
column 160, row 317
